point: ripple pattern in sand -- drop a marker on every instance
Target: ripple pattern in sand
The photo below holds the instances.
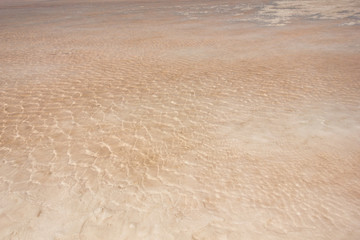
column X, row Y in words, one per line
column 143, row 131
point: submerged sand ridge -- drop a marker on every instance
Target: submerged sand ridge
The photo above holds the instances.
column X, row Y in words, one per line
column 179, row 120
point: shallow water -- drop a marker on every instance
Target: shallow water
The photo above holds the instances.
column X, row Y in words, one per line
column 180, row 120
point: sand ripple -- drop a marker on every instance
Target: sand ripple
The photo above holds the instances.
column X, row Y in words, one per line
column 179, row 120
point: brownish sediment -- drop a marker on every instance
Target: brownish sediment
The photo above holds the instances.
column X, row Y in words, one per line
column 179, row 120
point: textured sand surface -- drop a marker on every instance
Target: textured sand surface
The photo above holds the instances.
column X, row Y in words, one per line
column 180, row 120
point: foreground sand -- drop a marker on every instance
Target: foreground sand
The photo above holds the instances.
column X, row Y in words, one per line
column 180, row 120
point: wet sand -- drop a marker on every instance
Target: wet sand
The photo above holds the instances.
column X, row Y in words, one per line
column 180, row 120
